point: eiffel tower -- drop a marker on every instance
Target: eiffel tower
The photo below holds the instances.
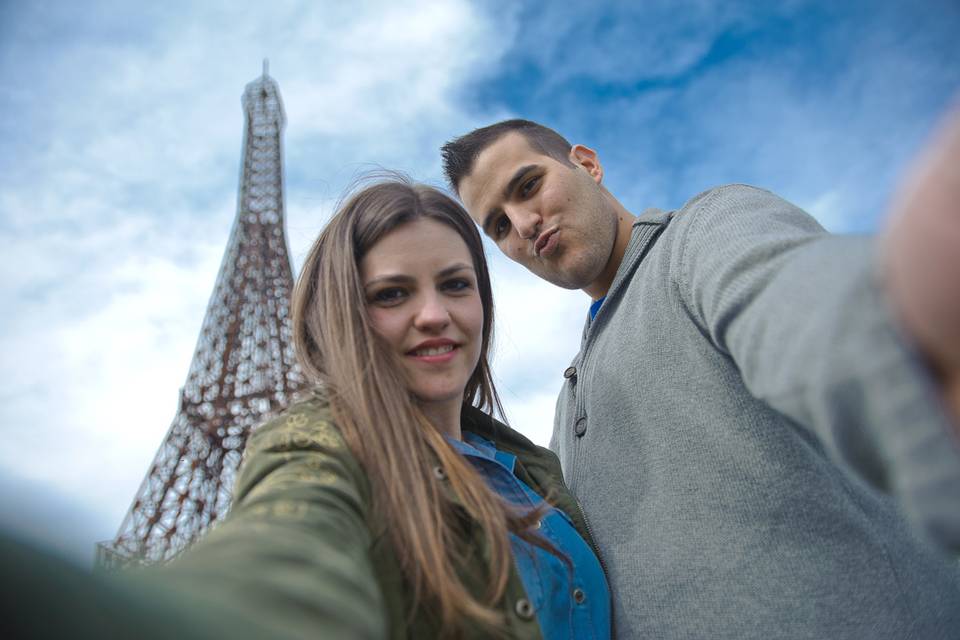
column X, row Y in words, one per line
column 243, row 368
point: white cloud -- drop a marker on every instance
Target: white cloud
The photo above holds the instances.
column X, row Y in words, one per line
column 115, row 211
column 537, row 334
column 531, row 413
column 122, row 131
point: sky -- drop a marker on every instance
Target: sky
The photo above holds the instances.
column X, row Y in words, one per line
column 120, row 140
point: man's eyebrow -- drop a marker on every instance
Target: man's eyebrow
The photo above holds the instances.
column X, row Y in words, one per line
column 518, row 176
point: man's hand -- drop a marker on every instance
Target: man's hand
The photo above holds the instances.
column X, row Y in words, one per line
column 922, row 258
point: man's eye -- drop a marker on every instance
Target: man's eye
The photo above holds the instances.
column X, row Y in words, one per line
column 527, row 187
column 501, row 226
column 391, row 295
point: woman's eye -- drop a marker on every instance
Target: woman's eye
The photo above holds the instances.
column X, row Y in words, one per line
column 388, row 296
column 457, row 284
column 501, row 226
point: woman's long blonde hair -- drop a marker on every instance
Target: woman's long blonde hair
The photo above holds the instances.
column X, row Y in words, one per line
column 381, row 423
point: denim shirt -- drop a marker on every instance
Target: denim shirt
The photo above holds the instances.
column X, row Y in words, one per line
column 572, row 605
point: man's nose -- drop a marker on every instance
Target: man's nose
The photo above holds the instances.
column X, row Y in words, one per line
column 526, row 222
column 432, row 314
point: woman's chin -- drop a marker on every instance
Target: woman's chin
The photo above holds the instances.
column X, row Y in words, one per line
column 437, row 397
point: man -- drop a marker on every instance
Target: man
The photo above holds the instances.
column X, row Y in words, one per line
column 759, row 451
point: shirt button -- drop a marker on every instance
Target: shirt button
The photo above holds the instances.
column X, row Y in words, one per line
column 579, row 596
column 569, row 372
column 524, row 609
column 538, row 523
column 439, row 473
column 580, row 427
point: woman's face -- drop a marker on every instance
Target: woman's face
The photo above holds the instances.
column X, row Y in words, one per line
column 422, row 297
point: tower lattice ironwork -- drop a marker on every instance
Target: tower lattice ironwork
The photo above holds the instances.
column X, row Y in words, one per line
column 243, row 369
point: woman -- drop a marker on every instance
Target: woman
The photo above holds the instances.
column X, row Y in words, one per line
column 392, row 315
column 386, row 504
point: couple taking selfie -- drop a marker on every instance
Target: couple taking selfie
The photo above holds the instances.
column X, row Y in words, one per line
column 758, row 437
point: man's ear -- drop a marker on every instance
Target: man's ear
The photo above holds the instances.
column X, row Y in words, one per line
column 587, row 158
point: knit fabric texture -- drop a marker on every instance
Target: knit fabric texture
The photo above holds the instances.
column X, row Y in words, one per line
column 758, row 452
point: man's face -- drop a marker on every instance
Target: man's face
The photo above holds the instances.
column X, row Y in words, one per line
column 547, row 215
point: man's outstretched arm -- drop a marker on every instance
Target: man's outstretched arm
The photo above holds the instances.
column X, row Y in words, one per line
column 921, row 259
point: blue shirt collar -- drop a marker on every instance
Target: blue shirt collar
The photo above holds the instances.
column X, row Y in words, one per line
column 595, row 306
column 480, row 447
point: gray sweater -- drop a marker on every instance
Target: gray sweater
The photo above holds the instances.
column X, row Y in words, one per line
column 758, row 453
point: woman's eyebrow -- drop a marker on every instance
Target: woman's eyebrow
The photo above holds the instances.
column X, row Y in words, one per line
column 397, row 278
column 460, row 266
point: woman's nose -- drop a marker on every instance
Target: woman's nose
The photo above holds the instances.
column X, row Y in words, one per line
column 432, row 314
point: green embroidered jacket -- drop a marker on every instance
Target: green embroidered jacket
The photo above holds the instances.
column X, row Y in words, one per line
column 299, row 556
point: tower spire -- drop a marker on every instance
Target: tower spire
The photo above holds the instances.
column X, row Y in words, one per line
column 243, row 369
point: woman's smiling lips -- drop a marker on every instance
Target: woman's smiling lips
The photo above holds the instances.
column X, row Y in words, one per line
column 437, row 350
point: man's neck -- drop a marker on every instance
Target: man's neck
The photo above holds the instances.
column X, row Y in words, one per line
column 599, row 287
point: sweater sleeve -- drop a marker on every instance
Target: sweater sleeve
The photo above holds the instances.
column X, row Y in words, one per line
column 801, row 314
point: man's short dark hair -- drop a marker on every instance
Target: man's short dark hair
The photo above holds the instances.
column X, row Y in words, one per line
column 460, row 153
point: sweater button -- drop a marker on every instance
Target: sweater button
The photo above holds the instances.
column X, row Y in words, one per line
column 580, row 427
column 524, row 609
column 569, row 372
column 579, row 596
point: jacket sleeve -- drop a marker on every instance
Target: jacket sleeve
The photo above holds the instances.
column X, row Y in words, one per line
column 290, row 562
column 802, row 315
column 292, row 559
